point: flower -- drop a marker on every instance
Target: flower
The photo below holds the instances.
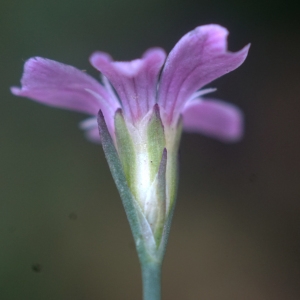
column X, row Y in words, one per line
column 143, row 102
column 197, row 59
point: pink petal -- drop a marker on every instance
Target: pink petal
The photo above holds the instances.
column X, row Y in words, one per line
column 56, row 84
column 90, row 126
column 214, row 118
column 134, row 81
column 93, row 135
column 199, row 57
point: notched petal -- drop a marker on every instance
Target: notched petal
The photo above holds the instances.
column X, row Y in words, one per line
column 135, row 81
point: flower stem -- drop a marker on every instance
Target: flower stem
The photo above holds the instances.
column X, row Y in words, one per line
column 151, row 276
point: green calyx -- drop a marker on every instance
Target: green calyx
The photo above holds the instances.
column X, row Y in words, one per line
column 156, row 142
column 148, row 155
column 125, row 148
column 173, row 141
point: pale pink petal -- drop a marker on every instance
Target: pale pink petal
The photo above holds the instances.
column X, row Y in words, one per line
column 93, row 135
column 214, row 118
column 56, row 84
column 199, row 57
column 134, row 81
column 91, row 131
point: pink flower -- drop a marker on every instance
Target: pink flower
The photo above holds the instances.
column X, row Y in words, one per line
column 143, row 102
column 172, row 82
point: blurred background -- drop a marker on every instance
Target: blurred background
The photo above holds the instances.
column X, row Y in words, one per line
column 236, row 230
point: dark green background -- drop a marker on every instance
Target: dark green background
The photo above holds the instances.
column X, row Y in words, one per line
column 236, row 231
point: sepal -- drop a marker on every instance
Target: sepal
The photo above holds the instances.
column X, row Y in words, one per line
column 173, row 135
column 145, row 177
column 155, row 204
column 141, row 230
column 125, row 149
column 155, row 140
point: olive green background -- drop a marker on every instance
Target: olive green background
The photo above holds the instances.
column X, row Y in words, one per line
column 236, row 230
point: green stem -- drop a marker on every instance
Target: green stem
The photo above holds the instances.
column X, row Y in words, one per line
column 151, row 276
